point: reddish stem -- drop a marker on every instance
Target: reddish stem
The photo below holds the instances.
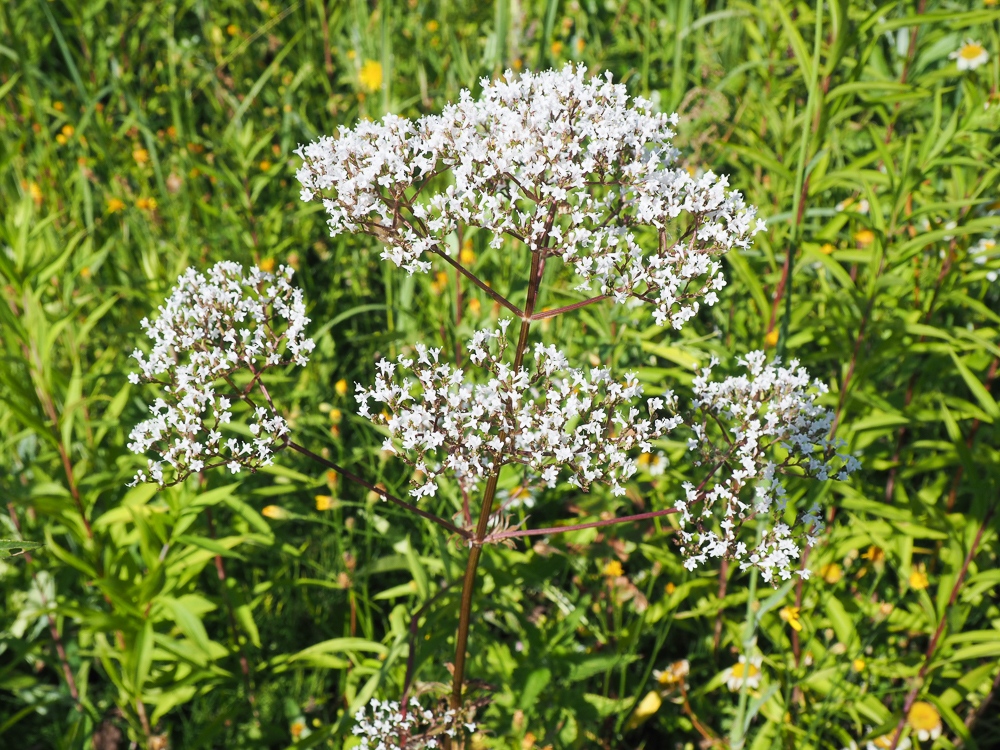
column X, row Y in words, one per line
column 576, row 527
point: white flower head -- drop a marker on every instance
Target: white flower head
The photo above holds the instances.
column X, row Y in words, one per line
column 984, row 252
column 744, row 671
column 970, row 55
column 215, row 335
column 884, row 741
column 569, row 166
column 753, row 429
column 390, row 726
column 551, row 419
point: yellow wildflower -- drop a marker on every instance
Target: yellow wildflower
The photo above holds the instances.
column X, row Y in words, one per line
column 58, row 106
column 275, row 512
column 232, row 29
column 341, row 387
column 670, row 588
column 858, row 665
column 557, row 48
column 34, row 191
column 147, row 204
column 827, row 248
column 647, row 707
column 297, row 725
column 925, row 721
column 432, row 26
column 580, row 44
column 331, row 478
column 61, row 139
column 831, row 573
column 474, row 306
column 141, row 156
column 468, row 255
column 613, row 569
column 115, row 205
column 771, row 339
column 265, row 165
column 864, row 237
column 875, row 554
column 324, row 502
column 440, row 282
column 266, row 265
column 371, row 75
column 791, row 616
column 918, row 580
column 68, row 130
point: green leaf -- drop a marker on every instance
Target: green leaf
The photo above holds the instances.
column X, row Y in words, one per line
column 14, row 547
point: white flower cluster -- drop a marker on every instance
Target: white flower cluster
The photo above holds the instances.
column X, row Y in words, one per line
column 553, row 418
column 390, row 727
column 768, row 420
column 562, row 163
column 213, row 331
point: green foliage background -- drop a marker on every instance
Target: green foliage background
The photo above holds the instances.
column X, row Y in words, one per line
column 137, row 139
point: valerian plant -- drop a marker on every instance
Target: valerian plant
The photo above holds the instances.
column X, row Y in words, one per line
column 562, row 170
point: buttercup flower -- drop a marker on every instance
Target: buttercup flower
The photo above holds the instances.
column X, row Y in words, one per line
column 744, row 671
column 831, row 573
column 215, row 336
column 970, row 55
column 371, row 75
column 791, row 616
column 918, row 580
column 613, row 569
column 925, row 720
column 569, row 167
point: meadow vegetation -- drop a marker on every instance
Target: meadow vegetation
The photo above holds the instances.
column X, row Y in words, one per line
column 262, row 610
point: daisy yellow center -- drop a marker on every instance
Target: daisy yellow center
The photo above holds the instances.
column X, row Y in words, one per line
column 971, row 51
column 739, row 667
column 923, row 716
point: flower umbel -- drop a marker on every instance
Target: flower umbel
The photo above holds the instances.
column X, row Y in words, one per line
column 215, row 336
column 566, row 165
column 754, row 428
column 392, row 727
column 552, row 419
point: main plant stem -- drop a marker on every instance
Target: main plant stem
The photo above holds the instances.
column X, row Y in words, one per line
column 469, row 582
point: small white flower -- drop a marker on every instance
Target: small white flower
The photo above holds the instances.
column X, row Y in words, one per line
column 565, row 164
column 970, row 55
column 755, row 427
column 391, row 727
column 552, row 419
column 214, row 329
column 744, row 671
